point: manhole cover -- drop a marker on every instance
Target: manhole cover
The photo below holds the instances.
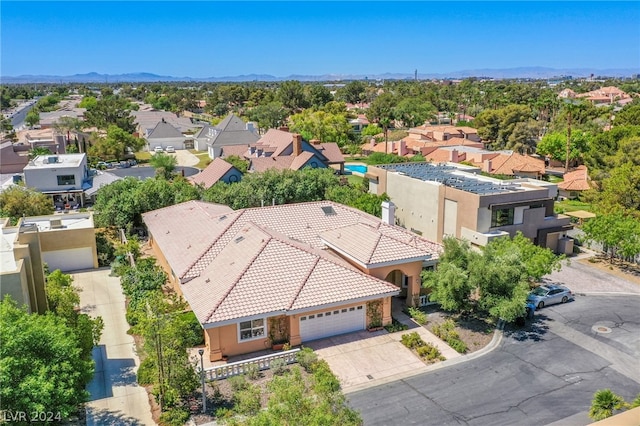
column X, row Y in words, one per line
column 601, row 329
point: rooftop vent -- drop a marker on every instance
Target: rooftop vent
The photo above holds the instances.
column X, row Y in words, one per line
column 237, row 240
column 56, row 224
column 328, row 210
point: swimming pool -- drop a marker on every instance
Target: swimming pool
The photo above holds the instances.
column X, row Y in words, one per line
column 358, row 168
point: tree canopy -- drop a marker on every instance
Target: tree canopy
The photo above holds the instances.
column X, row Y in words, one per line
column 18, row 201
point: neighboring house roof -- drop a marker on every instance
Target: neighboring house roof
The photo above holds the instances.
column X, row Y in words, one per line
column 279, row 140
column 164, row 130
column 576, row 180
column 331, row 151
column 259, row 261
column 511, row 164
column 146, row 119
column 212, row 173
column 230, row 131
column 261, row 164
column 237, row 150
column 101, row 179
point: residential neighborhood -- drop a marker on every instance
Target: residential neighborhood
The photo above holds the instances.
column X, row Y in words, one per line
column 341, row 249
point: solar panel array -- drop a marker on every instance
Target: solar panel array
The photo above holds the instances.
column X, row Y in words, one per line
column 444, row 174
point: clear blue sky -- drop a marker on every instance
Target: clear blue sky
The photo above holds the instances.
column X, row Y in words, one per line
column 211, row 39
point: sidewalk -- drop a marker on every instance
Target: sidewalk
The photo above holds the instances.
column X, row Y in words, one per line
column 115, row 397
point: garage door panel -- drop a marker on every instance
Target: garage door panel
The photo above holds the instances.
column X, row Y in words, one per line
column 332, row 322
column 69, row 260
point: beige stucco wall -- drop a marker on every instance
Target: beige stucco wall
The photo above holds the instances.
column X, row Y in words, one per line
column 28, row 248
column 66, row 239
column 15, row 284
column 162, row 261
column 223, row 341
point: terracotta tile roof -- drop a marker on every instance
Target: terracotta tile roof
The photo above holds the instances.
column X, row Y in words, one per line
column 512, row 163
column 371, row 246
column 212, row 173
column 184, row 241
column 576, row 180
column 247, row 278
column 303, row 222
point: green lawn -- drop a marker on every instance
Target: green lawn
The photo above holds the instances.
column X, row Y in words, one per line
column 572, row 206
column 203, row 157
column 354, row 179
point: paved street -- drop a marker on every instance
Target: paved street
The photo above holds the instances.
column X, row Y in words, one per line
column 116, row 398
column 544, row 373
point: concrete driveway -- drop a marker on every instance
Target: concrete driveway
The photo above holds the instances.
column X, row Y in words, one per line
column 116, row 398
column 365, row 359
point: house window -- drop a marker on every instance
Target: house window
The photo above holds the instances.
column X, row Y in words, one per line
column 502, row 217
column 66, row 180
column 253, row 329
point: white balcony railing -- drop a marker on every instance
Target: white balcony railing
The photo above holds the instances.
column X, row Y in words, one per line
column 241, row 367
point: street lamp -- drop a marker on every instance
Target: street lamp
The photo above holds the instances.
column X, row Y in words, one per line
column 204, row 391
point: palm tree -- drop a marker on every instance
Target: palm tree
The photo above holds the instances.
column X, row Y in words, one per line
column 164, row 164
column 604, row 404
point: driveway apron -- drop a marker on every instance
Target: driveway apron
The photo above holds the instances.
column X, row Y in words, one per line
column 115, row 397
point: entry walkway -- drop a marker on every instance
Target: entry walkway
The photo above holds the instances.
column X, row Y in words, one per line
column 115, row 397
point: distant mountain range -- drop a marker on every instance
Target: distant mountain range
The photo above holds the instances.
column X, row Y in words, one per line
column 507, row 73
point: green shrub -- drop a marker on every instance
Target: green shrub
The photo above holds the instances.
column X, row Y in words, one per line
column 238, row 383
column 252, row 371
column 457, row 345
column 396, row 326
column 176, row 416
column 147, row 372
column 325, row 381
column 306, row 358
column 429, row 352
column 278, row 366
column 105, row 249
column 419, row 316
column 247, row 401
column 194, row 336
column 412, row 340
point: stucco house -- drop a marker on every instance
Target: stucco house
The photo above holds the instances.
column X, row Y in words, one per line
column 230, row 131
column 12, row 159
column 64, row 241
column 436, row 200
column 63, row 176
column 574, row 183
column 163, row 135
column 297, row 271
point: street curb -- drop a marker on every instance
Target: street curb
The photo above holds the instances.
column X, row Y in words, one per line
column 495, row 342
column 605, row 293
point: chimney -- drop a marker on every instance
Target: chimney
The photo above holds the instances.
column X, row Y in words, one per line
column 283, row 128
column 297, row 144
column 315, row 141
column 453, row 156
column 487, row 166
column 402, row 148
column 393, row 146
column 373, row 143
column 388, row 213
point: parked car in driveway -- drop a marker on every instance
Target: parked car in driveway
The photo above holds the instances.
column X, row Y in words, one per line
column 170, row 149
column 157, row 149
column 549, row 294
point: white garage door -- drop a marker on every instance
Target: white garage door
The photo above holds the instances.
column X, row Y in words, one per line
column 69, row 260
column 332, row 322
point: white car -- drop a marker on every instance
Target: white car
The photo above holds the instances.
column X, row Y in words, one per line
column 170, row 149
column 157, row 149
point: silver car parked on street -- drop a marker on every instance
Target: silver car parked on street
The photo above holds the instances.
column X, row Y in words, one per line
column 548, row 295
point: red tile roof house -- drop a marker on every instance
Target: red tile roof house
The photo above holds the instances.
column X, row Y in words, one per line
column 575, row 182
column 218, row 170
column 303, row 271
column 281, row 150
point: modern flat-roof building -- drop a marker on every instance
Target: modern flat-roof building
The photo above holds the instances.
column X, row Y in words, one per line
column 435, row 200
column 63, row 176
